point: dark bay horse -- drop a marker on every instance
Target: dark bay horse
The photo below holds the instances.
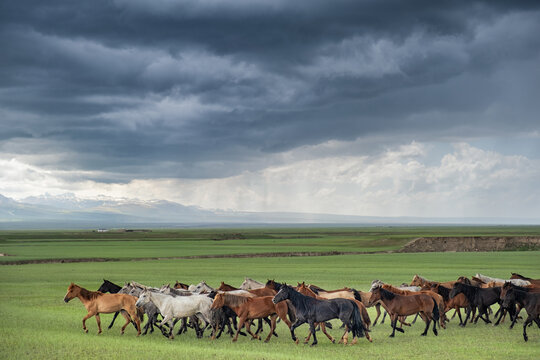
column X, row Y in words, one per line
column 529, row 301
column 313, row 311
column 404, row 305
column 97, row 302
column 480, row 298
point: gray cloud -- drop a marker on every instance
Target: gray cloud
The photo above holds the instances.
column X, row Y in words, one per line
column 140, row 89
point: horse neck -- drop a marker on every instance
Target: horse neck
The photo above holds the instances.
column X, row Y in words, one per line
column 113, row 288
column 521, row 297
column 308, row 292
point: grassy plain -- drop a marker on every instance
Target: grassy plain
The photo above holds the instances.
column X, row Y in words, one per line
column 31, row 245
column 36, row 323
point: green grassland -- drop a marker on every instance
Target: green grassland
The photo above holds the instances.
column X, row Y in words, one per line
column 31, row 245
column 36, row 323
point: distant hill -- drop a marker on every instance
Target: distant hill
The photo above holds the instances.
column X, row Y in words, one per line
column 69, row 211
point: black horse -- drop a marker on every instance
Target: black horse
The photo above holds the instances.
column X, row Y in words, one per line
column 529, row 301
column 110, row 287
column 313, row 311
column 480, row 298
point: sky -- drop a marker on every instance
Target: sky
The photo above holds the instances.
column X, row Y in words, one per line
column 374, row 108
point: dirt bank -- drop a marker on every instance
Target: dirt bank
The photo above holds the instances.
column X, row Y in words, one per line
column 472, row 243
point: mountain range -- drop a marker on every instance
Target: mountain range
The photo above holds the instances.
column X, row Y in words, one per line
column 69, row 211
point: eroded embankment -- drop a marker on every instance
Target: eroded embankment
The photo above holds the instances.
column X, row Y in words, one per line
column 472, row 243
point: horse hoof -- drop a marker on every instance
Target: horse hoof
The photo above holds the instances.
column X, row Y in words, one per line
column 296, row 341
column 86, row 331
column 391, row 336
column 422, row 334
column 313, row 345
column 333, row 341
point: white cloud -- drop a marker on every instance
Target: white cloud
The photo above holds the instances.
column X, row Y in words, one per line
column 467, row 181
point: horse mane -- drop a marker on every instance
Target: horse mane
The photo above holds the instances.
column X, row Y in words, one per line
column 444, row 292
column 234, row 300
column 302, row 303
column 393, row 289
column 316, row 289
column 385, row 294
column 89, row 295
column 307, row 290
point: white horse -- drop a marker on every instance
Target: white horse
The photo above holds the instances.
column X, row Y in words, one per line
column 177, row 307
column 250, row 284
column 201, row 287
column 517, row 282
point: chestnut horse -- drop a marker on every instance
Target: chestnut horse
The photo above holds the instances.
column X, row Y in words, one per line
column 535, row 282
column 97, row 302
column 436, row 297
column 248, row 309
column 226, row 287
column 404, row 305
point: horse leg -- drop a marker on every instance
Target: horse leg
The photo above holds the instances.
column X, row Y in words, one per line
column 98, row 320
column 529, row 320
column 323, row 328
column 128, row 320
column 312, row 329
column 501, row 315
column 294, row 326
column 393, row 321
column 458, row 311
column 384, row 317
column 113, row 319
column 415, row 317
column 248, row 329
column 272, row 327
column 241, row 322
column 427, row 320
column 378, row 309
column 88, row 316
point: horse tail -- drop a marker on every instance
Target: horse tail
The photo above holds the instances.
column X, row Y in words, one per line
column 140, row 313
column 291, row 311
column 365, row 316
column 357, row 325
column 435, row 312
column 357, row 295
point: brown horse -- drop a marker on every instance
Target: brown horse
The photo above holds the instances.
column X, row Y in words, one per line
column 404, row 305
column 303, row 289
column 248, row 309
column 420, row 281
column 226, row 287
column 535, row 282
column 97, row 302
column 436, row 297
column 457, row 302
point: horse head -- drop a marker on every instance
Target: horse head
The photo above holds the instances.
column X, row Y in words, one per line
column 72, row 292
column 282, row 294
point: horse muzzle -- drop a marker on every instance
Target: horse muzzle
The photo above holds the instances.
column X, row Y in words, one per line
column 66, row 300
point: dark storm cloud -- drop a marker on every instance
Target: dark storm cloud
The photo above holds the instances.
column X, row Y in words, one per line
column 144, row 89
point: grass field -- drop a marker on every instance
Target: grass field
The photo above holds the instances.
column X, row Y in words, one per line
column 36, row 323
column 30, row 245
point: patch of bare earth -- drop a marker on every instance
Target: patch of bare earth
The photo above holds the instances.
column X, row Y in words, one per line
column 472, row 243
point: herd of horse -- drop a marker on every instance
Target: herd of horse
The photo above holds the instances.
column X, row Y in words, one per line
column 202, row 307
